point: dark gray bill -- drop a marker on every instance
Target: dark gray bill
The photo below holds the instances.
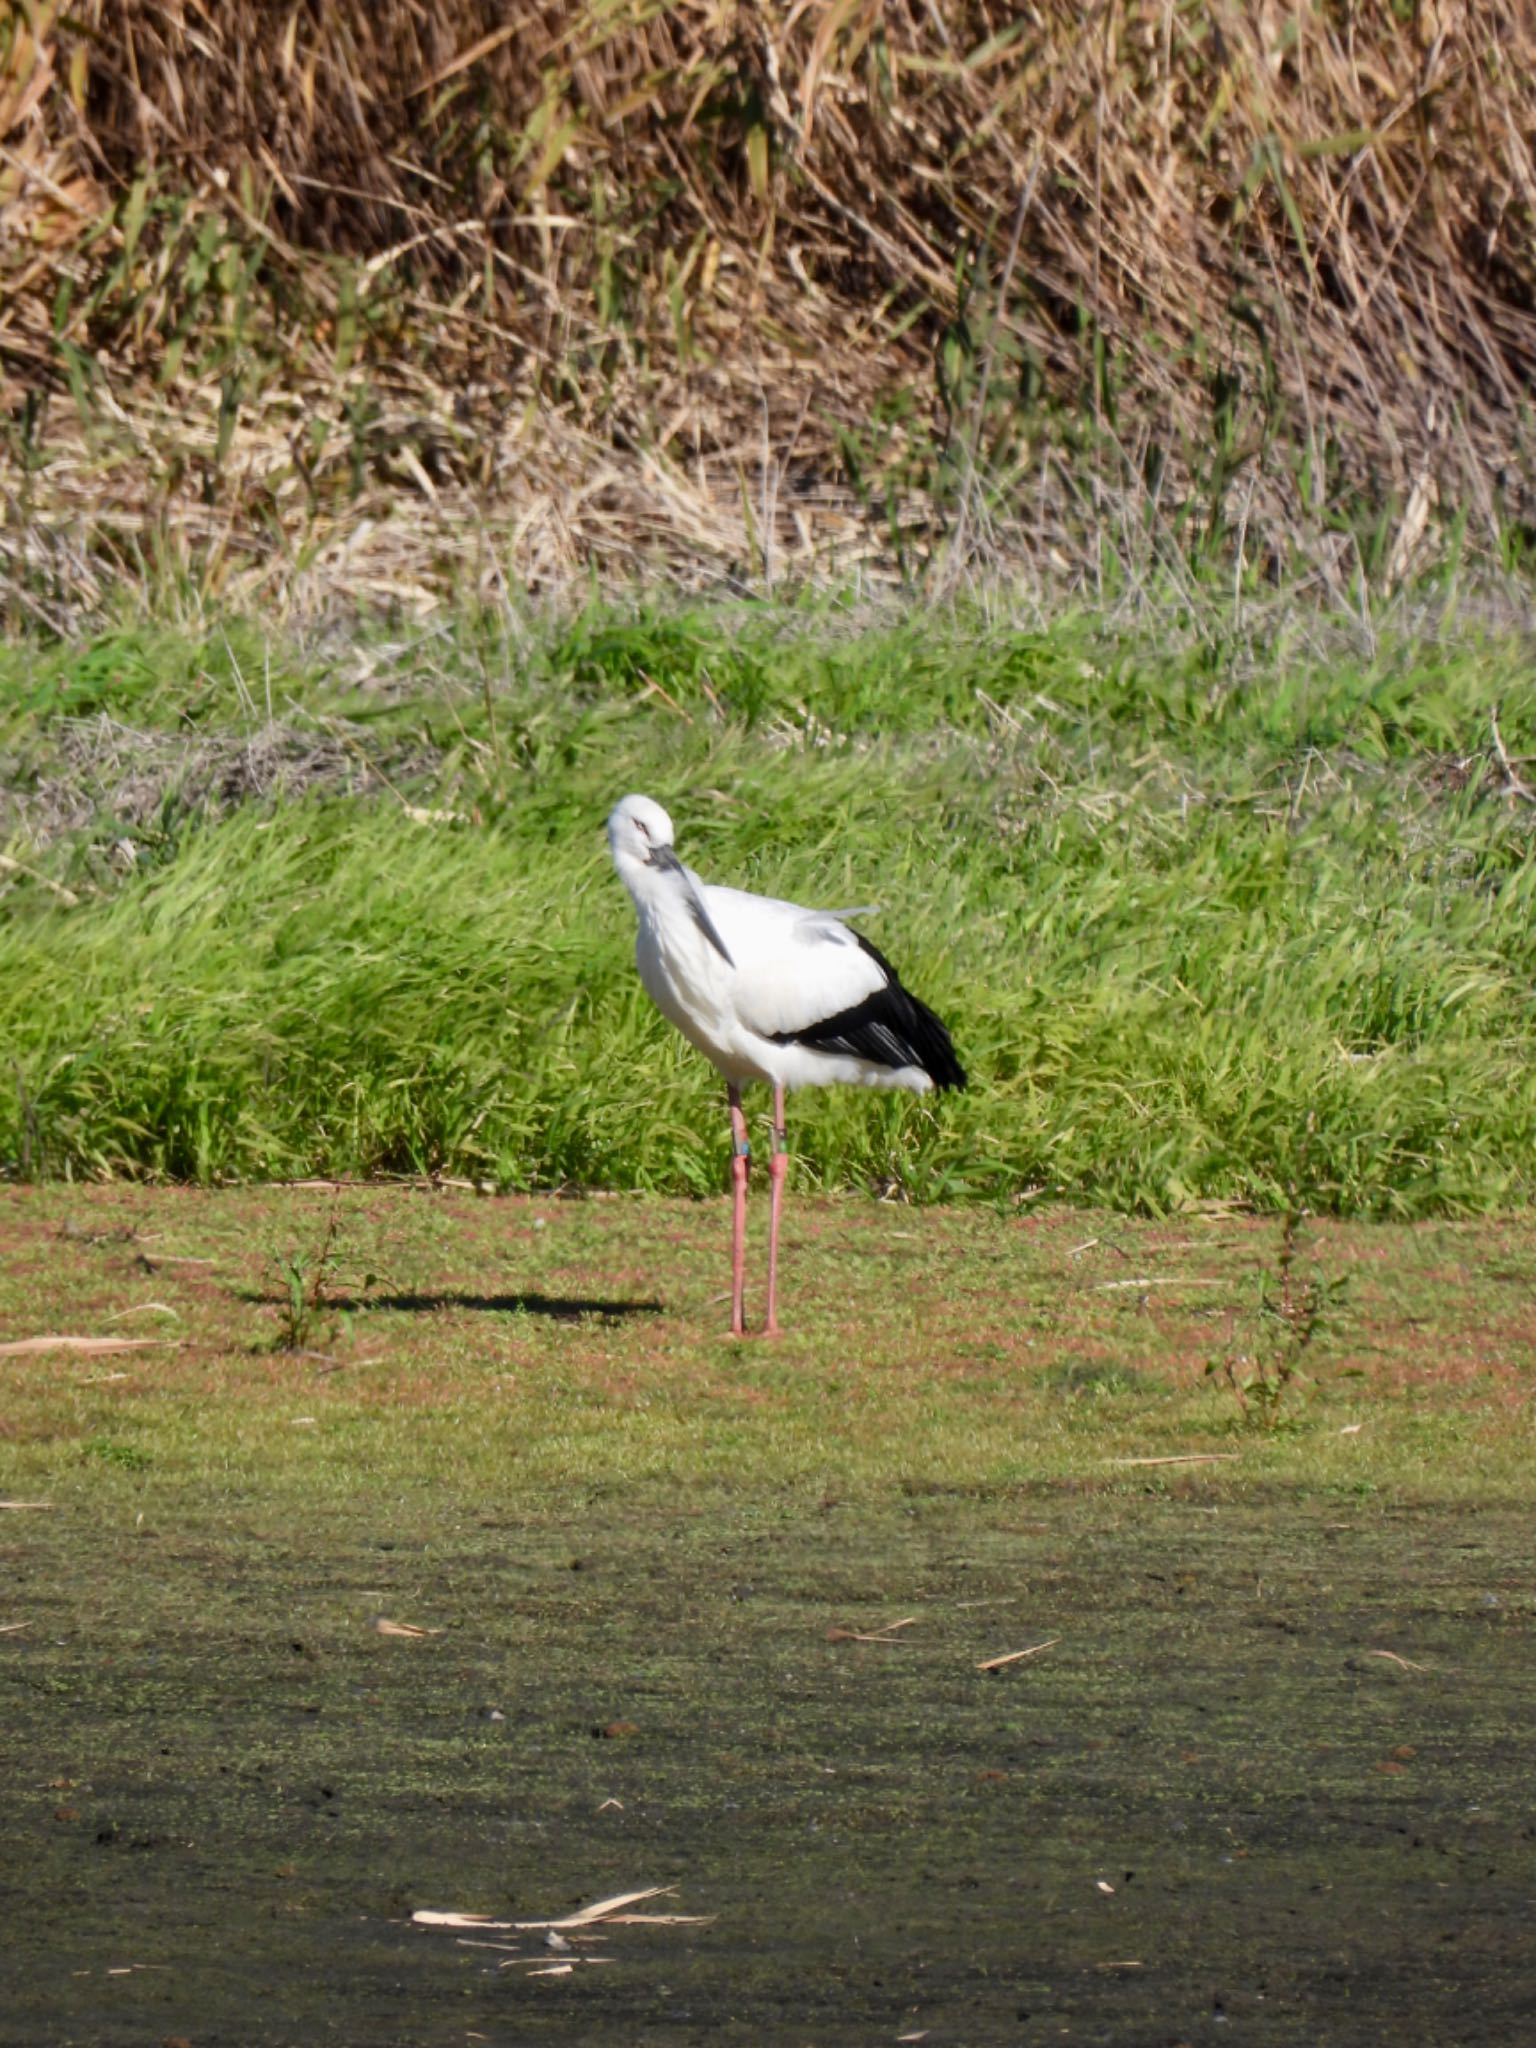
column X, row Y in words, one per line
column 664, row 858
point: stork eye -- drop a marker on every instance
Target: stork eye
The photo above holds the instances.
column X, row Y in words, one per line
column 642, row 828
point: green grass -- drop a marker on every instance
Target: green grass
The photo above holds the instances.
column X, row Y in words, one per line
column 1206, row 925
column 556, row 1351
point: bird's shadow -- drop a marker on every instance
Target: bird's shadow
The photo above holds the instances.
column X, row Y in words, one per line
column 559, row 1308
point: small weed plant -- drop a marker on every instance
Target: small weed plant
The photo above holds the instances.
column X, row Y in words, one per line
column 108, row 1451
column 305, row 1324
column 1265, row 1359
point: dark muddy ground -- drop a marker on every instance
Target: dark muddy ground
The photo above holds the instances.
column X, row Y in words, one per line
column 1272, row 1783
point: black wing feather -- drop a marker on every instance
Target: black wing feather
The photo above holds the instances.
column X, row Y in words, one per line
column 890, row 1028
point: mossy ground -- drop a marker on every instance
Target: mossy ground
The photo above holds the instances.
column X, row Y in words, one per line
column 1267, row 1781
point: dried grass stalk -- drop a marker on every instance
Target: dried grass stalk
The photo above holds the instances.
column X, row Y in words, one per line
column 616, row 282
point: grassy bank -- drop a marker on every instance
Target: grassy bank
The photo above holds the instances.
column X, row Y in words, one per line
column 1208, row 924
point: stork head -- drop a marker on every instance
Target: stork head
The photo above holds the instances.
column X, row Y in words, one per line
column 639, row 836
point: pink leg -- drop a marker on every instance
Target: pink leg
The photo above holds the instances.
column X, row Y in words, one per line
column 778, row 1167
column 741, row 1166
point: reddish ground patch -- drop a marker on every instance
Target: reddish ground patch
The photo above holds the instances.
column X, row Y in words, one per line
column 417, row 1287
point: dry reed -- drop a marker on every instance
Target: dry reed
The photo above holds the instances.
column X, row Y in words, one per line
column 308, row 296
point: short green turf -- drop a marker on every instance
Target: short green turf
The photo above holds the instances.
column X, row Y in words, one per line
column 538, row 1351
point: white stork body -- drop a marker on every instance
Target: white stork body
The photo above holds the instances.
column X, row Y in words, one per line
column 768, row 991
column 789, row 969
